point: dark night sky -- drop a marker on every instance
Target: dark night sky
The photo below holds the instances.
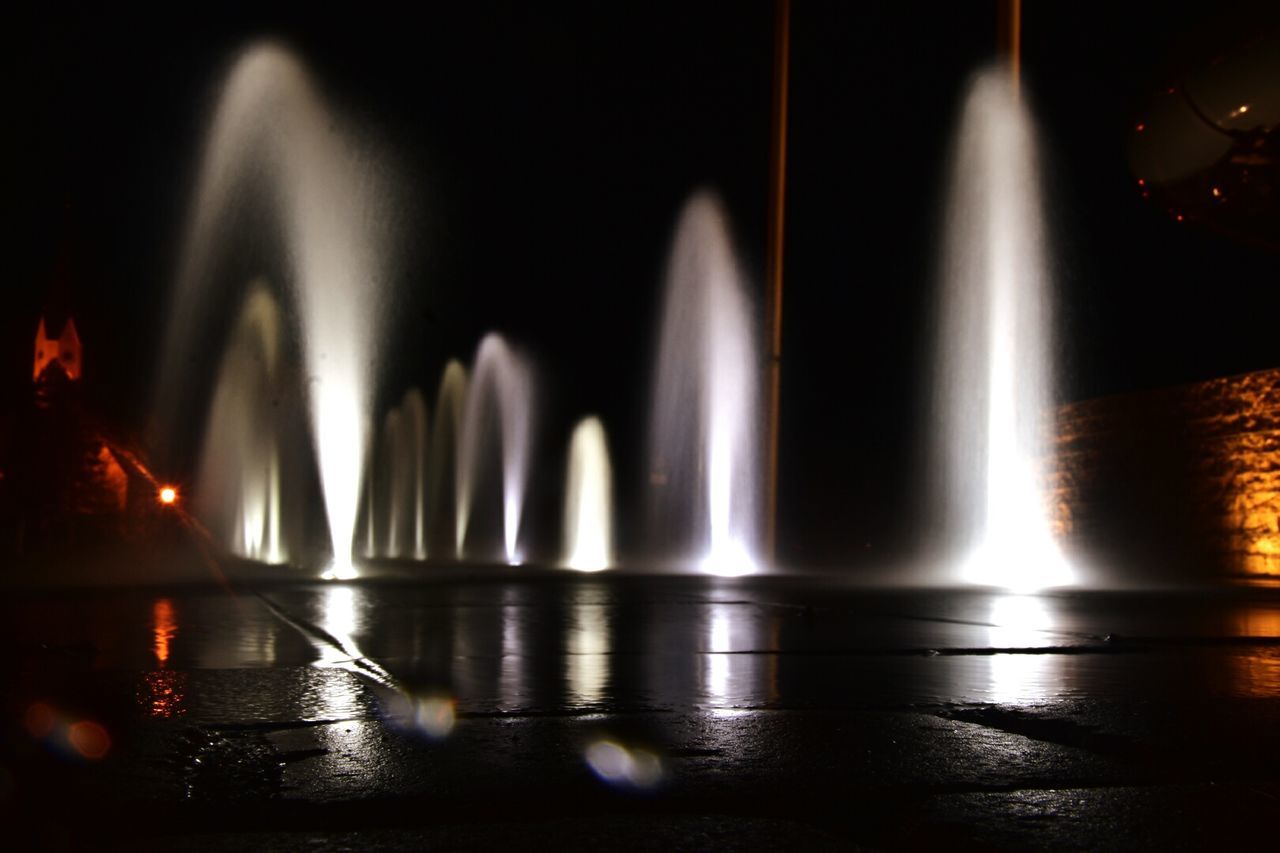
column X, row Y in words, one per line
column 548, row 148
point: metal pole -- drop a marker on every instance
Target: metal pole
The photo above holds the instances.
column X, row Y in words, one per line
column 1009, row 38
column 774, row 263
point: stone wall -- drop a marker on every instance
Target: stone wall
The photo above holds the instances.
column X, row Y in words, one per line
column 1176, row 480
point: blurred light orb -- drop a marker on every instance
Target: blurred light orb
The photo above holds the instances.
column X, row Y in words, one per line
column 617, row 765
column 435, row 717
column 89, row 739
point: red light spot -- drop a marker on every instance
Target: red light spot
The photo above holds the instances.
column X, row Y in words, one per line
column 1141, row 182
column 40, row 719
column 1178, row 217
column 89, row 739
column 1141, row 127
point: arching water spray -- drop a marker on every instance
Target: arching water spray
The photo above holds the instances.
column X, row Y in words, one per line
column 240, row 466
column 996, row 371
column 588, row 500
column 500, row 395
column 275, row 145
column 442, row 465
column 704, row 433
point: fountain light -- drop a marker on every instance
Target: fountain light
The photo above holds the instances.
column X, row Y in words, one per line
column 703, row 439
column 340, row 572
column 730, row 560
column 588, row 506
column 997, row 376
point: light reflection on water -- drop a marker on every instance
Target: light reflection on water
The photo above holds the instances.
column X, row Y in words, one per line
column 1021, row 622
column 740, row 667
column 512, row 689
column 1256, row 670
column 533, row 646
column 587, row 648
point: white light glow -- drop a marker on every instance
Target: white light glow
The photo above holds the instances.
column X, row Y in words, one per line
column 588, row 503
column 704, row 436
column 276, row 146
column 501, row 389
column 1021, row 622
column 997, row 371
column 340, row 572
column 587, row 647
column 732, row 559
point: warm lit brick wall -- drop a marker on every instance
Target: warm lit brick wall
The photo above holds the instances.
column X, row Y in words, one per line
column 1197, row 466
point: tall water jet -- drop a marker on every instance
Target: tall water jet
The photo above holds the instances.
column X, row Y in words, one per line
column 996, row 369
column 274, row 146
column 704, row 432
column 442, row 464
column 500, row 395
column 588, row 500
column 240, row 466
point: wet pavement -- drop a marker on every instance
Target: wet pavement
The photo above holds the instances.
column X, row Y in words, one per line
column 633, row 712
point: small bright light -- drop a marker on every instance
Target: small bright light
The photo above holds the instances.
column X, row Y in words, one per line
column 729, row 561
column 1217, row 193
column 168, row 495
column 340, row 572
column 1141, row 127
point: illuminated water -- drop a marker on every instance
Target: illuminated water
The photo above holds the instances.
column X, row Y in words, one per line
column 396, row 513
column 705, row 468
column 996, row 372
column 442, row 463
column 241, row 503
column 588, row 502
column 276, row 152
column 496, row 424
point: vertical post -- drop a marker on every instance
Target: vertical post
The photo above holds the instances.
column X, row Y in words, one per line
column 774, row 265
column 1009, row 38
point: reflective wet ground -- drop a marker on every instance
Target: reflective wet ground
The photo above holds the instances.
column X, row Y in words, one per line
column 560, row 710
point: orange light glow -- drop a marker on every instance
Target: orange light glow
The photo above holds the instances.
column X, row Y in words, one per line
column 168, row 495
column 89, row 739
column 1217, row 193
column 1178, row 217
column 165, row 628
column 164, row 694
column 1140, row 128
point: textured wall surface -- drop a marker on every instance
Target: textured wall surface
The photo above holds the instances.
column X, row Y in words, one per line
column 1177, row 479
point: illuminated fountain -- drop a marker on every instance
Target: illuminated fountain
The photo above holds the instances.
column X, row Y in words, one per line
column 442, row 463
column 996, row 379
column 588, row 501
column 703, row 436
column 499, row 407
column 276, row 150
column 241, row 503
column 395, row 506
